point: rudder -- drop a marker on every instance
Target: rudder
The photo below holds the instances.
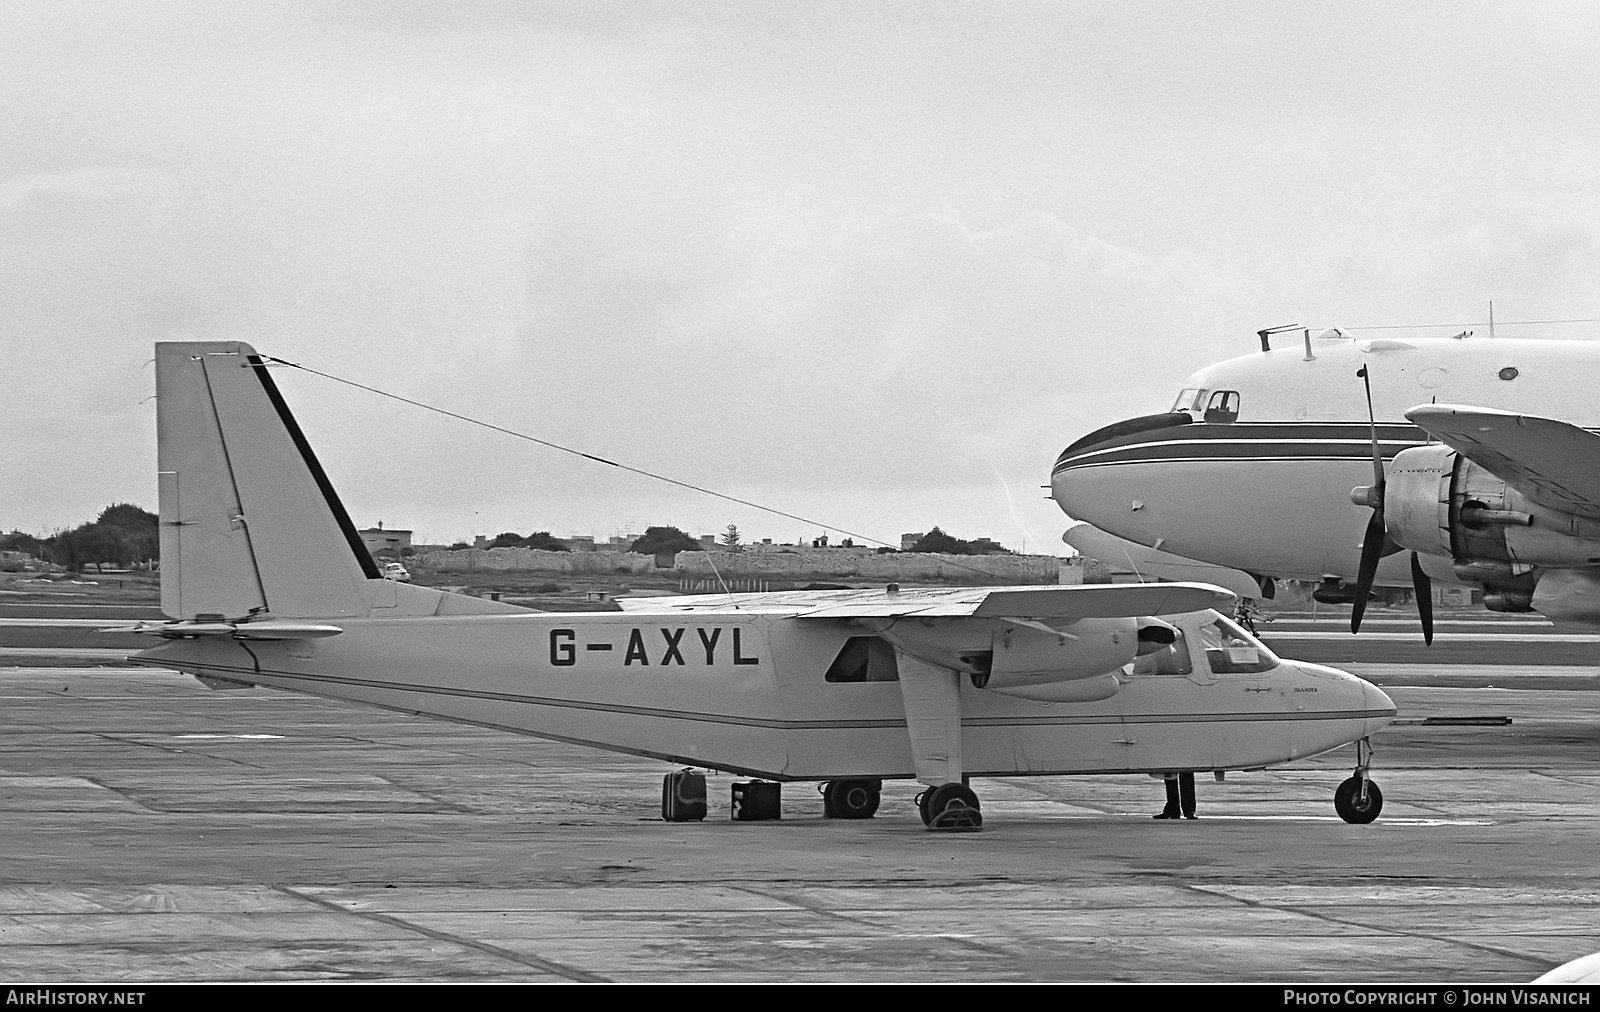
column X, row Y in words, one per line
column 250, row 524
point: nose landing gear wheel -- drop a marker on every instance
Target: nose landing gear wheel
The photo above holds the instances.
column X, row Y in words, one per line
column 950, row 808
column 1358, row 799
column 851, row 799
column 1355, row 805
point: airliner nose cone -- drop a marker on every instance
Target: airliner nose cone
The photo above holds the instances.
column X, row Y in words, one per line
column 1080, row 482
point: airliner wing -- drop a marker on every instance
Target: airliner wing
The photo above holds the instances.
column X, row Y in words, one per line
column 1553, row 463
column 1090, row 601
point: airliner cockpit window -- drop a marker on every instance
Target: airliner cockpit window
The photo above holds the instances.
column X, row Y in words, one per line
column 1232, row 651
column 1189, row 399
column 1224, row 406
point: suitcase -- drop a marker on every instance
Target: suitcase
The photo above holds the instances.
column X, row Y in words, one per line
column 757, row 801
column 683, row 796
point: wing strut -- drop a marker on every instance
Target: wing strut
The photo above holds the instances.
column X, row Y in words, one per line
column 932, row 696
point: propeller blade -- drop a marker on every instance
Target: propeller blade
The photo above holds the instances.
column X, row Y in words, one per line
column 1372, row 424
column 1371, row 552
column 1423, row 588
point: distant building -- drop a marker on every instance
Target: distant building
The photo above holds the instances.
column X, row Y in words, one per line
column 385, row 542
column 708, row 542
column 579, row 543
column 909, row 541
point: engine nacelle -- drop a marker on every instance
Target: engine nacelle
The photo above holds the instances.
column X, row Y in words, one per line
column 1026, row 658
column 1018, row 653
column 1082, row 690
column 1438, row 502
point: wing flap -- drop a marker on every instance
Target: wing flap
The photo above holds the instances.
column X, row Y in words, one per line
column 1553, row 463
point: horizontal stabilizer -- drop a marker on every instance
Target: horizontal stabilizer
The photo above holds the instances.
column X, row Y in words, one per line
column 1553, row 463
column 239, row 631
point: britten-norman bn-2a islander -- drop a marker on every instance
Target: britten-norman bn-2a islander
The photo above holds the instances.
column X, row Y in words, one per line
column 266, row 582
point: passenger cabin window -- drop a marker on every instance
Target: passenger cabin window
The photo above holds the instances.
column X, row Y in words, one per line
column 864, row 659
column 1172, row 659
column 1224, row 406
column 1232, row 651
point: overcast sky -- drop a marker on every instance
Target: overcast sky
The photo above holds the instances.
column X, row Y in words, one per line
column 874, row 264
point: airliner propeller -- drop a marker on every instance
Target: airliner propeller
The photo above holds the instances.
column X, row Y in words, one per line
column 1376, row 543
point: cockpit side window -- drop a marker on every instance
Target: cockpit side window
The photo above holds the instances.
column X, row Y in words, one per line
column 1189, row 399
column 1223, row 407
column 1232, row 651
column 1172, row 659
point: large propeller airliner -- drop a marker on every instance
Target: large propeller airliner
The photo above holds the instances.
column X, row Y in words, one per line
column 1350, row 461
column 265, row 581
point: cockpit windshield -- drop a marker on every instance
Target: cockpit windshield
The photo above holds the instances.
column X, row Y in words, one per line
column 1190, row 399
column 1232, row 651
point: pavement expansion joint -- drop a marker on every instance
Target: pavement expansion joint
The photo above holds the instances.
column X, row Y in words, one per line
column 526, row 959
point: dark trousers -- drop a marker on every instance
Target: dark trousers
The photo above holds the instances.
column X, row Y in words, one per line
column 1180, row 794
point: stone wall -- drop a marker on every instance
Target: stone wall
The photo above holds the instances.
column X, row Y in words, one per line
column 806, row 563
column 469, row 559
column 887, row 567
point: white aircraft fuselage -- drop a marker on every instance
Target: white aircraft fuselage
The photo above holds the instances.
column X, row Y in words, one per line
column 266, row 582
column 1262, row 482
column 747, row 693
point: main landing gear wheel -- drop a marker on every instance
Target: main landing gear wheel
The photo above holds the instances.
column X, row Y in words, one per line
column 950, row 808
column 851, row 799
column 1358, row 799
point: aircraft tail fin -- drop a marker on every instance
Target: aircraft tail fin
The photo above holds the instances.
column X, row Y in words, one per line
column 250, row 524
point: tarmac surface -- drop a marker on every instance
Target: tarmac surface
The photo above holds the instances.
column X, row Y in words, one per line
column 155, row 830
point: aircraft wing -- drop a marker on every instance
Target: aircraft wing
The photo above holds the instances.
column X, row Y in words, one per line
column 1090, row 601
column 1124, row 556
column 1553, row 463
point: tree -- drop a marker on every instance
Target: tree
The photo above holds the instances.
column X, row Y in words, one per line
column 938, row 541
column 538, row 539
column 660, row 540
column 544, row 541
column 730, row 539
column 140, row 528
column 17, row 541
column 91, row 543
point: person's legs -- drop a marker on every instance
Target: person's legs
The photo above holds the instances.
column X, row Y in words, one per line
column 1186, row 791
column 1172, row 810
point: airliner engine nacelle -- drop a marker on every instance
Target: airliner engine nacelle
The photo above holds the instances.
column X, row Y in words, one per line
column 1440, row 503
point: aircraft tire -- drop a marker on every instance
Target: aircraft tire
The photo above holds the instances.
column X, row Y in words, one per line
column 952, row 807
column 851, row 799
column 1347, row 802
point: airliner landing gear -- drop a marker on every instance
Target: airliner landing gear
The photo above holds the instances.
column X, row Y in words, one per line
column 950, row 807
column 851, row 799
column 1358, row 799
